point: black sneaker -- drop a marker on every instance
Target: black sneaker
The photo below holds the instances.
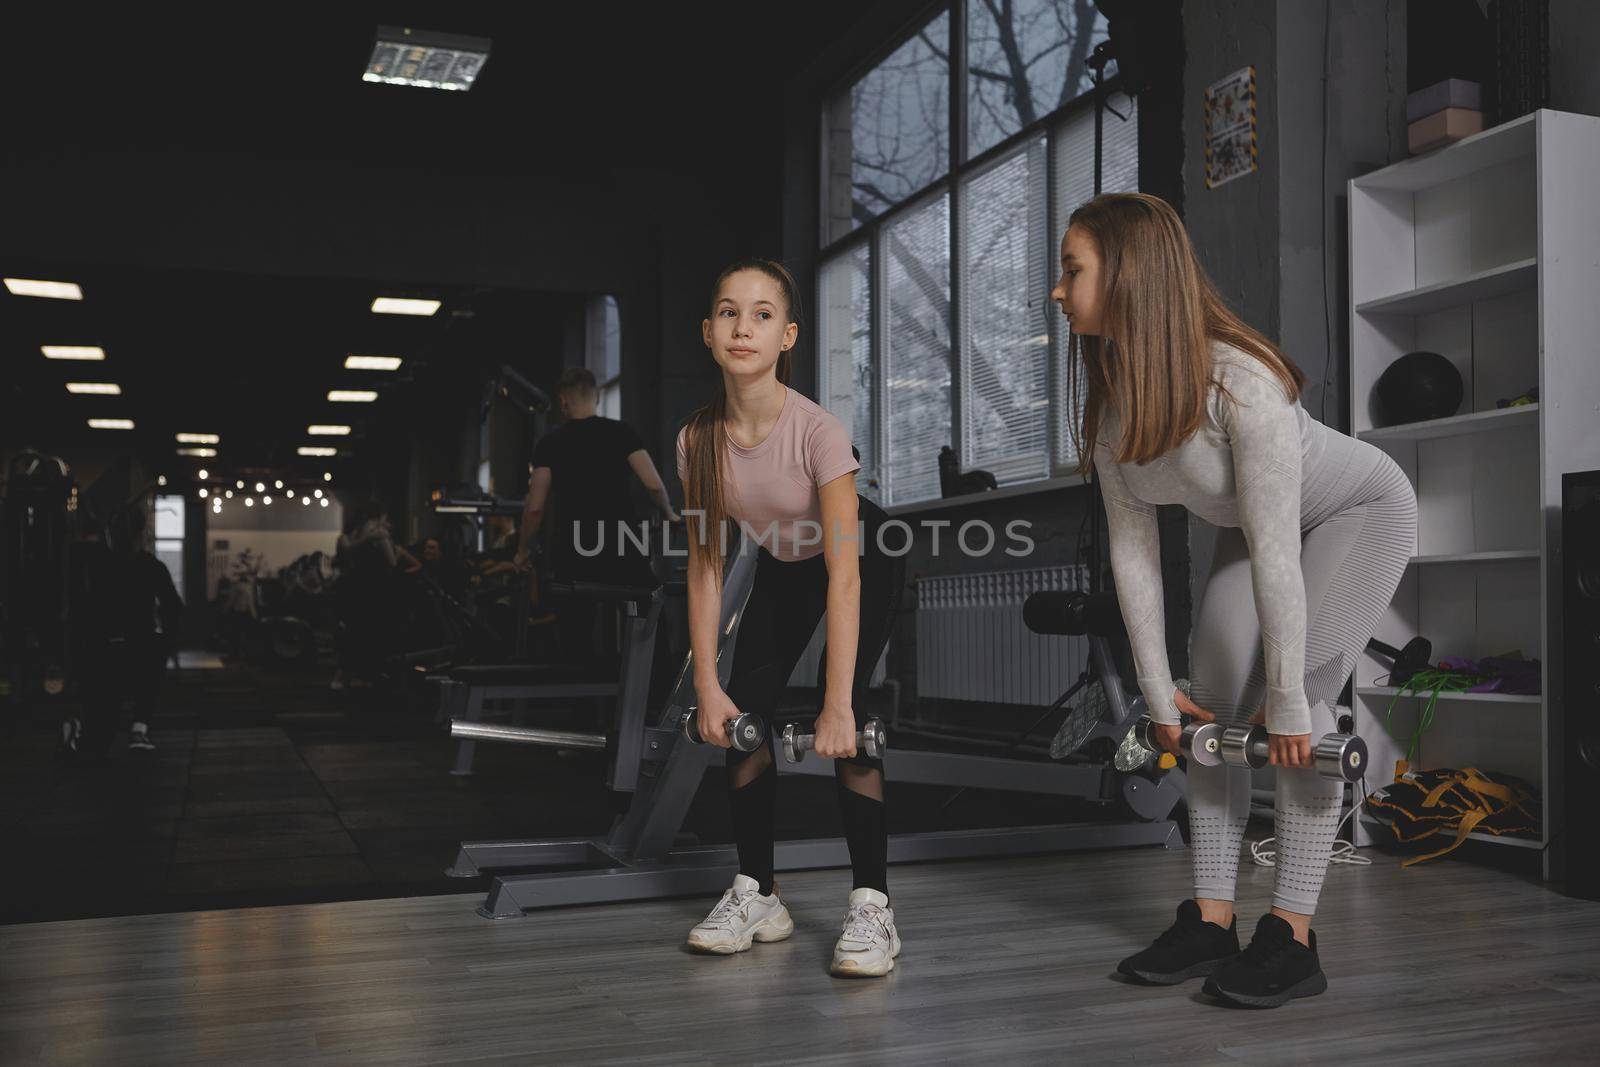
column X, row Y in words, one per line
column 1190, row 948
column 1274, row 970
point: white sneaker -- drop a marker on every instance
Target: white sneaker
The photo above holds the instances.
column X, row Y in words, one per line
column 869, row 943
column 741, row 917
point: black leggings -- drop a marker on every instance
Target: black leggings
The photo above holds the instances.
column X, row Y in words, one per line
column 786, row 602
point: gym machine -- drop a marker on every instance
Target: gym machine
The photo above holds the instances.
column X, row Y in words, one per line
column 643, row 857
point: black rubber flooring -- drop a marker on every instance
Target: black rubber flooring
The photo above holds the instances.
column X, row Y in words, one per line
column 270, row 789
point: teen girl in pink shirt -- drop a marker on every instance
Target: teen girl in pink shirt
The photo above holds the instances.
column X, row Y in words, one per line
column 782, row 468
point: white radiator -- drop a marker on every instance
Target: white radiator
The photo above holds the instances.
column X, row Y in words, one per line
column 972, row 644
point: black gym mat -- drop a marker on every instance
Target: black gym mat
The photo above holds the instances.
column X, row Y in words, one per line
column 270, row 789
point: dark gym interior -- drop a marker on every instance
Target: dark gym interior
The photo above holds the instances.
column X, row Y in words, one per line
column 319, row 741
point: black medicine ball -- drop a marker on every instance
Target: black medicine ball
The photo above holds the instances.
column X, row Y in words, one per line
column 1418, row 386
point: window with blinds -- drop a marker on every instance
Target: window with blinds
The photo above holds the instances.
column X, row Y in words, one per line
column 916, row 350
column 888, row 136
column 895, row 334
column 1005, row 337
column 603, row 355
column 1073, row 143
column 847, row 386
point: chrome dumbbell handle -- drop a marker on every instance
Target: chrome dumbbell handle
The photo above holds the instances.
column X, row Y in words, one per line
column 871, row 741
column 1342, row 756
column 1201, row 741
column 745, row 733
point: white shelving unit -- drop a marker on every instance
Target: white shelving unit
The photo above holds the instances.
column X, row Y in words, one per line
column 1487, row 252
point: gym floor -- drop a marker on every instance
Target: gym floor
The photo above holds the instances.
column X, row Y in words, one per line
column 1003, row 961
column 269, row 789
column 339, row 812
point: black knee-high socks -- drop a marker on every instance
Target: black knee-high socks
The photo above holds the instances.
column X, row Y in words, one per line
column 868, row 837
column 754, row 808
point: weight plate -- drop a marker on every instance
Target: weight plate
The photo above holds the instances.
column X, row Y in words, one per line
column 1085, row 712
column 1130, row 754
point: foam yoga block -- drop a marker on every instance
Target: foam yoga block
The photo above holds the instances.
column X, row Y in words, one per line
column 1452, row 92
column 1441, row 128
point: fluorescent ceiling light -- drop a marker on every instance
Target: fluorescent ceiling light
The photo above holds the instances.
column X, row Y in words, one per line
column 278, row 484
column 261, row 486
column 82, row 352
column 53, row 290
column 320, row 430
column 327, row 476
column 95, row 388
column 352, row 396
column 305, row 502
column 199, row 439
column 313, row 450
column 200, row 453
column 397, row 305
column 317, row 494
column 323, row 501
column 249, row 502
column 425, row 59
column 111, row 424
column 204, row 492
column 354, row 362
column 204, row 474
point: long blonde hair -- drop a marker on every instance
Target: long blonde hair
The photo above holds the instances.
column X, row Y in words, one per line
column 1162, row 314
column 706, row 439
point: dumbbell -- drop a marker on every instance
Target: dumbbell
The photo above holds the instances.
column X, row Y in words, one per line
column 1200, row 741
column 746, row 732
column 870, row 740
column 1341, row 756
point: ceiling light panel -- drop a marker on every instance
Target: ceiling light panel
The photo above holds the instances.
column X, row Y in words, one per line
column 51, row 290
column 355, row 362
column 425, row 59
column 404, row 305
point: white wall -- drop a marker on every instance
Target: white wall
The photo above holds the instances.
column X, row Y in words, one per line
column 281, row 533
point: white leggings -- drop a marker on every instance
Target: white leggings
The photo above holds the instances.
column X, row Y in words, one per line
column 1352, row 561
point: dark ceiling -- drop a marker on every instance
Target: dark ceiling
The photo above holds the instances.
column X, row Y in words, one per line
column 569, row 90
column 567, row 86
column 252, row 360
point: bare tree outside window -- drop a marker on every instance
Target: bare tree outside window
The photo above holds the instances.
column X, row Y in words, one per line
column 887, row 138
column 1025, row 59
column 891, row 129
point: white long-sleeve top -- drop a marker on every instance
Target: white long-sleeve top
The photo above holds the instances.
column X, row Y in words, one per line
column 1258, row 463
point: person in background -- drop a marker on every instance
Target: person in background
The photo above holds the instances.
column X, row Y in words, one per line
column 366, row 560
column 581, row 476
column 125, row 614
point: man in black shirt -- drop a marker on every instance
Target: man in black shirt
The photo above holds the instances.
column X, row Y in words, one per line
column 581, row 479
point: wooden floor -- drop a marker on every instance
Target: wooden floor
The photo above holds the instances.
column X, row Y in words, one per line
column 1004, row 962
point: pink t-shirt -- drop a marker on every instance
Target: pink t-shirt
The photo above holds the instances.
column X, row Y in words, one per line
column 771, row 489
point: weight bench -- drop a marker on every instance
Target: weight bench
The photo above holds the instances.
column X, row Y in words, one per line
column 465, row 691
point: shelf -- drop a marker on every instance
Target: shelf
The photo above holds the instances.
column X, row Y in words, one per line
column 1523, row 415
column 1444, row 837
column 1496, row 145
column 1497, row 556
column 1469, row 698
column 1498, row 281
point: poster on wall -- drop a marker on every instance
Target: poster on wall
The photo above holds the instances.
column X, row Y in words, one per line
column 1230, row 124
